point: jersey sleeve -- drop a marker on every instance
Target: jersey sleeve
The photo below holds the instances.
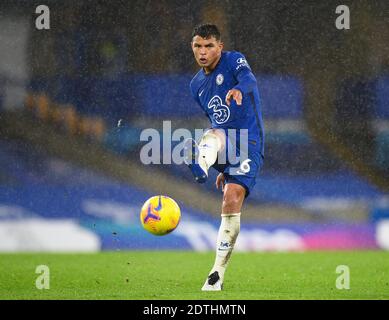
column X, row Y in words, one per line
column 242, row 72
column 238, row 63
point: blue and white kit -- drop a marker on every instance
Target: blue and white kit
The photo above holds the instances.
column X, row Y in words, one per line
column 210, row 90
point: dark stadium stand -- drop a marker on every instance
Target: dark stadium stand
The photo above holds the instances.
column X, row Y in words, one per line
column 381, row 122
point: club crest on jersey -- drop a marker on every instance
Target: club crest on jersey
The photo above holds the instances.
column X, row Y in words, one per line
column 219, row 79
column 221, row 113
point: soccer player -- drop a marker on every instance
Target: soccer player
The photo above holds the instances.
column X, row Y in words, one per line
column 226, row 89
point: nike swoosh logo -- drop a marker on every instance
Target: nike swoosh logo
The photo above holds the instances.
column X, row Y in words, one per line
column 201, row 92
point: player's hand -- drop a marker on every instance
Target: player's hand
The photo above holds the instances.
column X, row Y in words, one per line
column 234, row 94
column 220, row 181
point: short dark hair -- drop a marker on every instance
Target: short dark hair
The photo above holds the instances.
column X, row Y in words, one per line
column 206, row 31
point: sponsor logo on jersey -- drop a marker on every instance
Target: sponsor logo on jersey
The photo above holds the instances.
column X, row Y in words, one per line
column 242, row 62
column 221, row 113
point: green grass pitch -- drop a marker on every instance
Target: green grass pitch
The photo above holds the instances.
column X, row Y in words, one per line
column 180, row 275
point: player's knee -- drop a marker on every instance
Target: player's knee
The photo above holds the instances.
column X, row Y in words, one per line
column 232, row 201
column 214, row 136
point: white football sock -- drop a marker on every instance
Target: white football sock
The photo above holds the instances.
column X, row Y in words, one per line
column 228, row 233
column 209, row 146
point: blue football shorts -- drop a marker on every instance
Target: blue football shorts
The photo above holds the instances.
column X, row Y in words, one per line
column 244, row 168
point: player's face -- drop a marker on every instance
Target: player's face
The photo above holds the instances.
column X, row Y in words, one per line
column 207, row 52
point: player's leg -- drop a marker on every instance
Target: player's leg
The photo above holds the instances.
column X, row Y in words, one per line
column 210, row 144
column 204, row 155
column 234, row 195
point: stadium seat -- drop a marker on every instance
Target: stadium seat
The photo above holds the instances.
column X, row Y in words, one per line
column 381, row 122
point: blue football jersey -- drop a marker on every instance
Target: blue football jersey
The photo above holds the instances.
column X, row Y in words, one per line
column 210, row 90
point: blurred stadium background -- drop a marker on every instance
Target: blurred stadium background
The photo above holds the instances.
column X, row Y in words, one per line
column 74, row 99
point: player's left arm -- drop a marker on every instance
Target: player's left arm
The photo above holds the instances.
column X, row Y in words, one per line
column 246, row 79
